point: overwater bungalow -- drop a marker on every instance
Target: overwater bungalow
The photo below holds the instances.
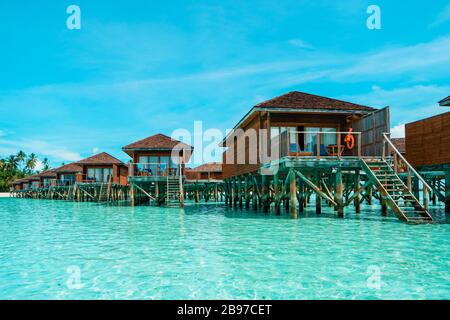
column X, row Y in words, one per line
column 205, row 172
column 102, row 168
column 205, row 182
column 153, row 173
column 46, row 178
column 20, row 184
column 428, row 150
column 293, row 146
column 66, row 175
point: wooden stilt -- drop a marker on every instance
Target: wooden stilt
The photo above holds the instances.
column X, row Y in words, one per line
column 356, row 201
column 339, row 193
column 293, row 194
column 447, row 191
column 318, row 198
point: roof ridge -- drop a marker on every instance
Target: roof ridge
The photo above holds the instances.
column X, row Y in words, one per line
column 290, row 93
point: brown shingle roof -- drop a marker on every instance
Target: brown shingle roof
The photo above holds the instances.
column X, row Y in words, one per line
column 48, row 174
column 208, row 167
column 101, row 159
column 34, row 177
column 19, row 181
column 400, row 144
column 300, row 100
column 68, row 168
column 158, row 141
column 445, row 102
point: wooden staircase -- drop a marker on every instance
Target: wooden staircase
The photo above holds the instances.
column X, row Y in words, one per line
column 173, row 192
column 105, row 189
column 397, row 195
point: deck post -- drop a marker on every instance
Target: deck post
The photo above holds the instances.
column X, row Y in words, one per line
column 301, row 196
column 277, row 196
column 356, row 201
column 293, row 194
column 339, row 194
column 384, row 208
column 254, row 196
column 247, row 192
column 433, row 193
column 447, row 191
column 265, row 194
column 416, row 189
column 425, row 197
column 369, row 194
column 318, row 197
column 132, row 194
column 240, row 191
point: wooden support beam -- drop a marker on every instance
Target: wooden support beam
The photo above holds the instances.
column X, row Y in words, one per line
column 145, row 192
column 314, row 187
column 318, row 197
column 277, row 195
column 293, row 194
column 339, row 193
column 447, row 191
column 384, row 207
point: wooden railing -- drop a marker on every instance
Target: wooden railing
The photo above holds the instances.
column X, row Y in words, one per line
column 409, row 168
column 152, row 170
column 86, row 179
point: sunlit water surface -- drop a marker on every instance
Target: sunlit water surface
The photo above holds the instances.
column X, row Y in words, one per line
column 65, row 250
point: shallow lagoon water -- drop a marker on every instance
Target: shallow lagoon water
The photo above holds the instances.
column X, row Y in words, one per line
column 214, row 252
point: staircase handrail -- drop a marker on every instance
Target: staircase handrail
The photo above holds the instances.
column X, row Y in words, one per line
column 408, row 165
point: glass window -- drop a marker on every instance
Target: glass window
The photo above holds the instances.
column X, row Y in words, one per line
column 329, row 136
column 164, row 164
column 310, row 139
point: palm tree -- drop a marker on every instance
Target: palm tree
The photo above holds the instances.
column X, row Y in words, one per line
column 12, row 163
column 31, row 163
column 45, row 164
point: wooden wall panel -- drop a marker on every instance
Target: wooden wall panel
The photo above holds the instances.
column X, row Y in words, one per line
column 428, row 141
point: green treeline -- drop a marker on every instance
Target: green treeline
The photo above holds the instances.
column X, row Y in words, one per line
column 18, row 166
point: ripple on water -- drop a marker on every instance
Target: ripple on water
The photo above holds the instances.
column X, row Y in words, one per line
column 213, row 252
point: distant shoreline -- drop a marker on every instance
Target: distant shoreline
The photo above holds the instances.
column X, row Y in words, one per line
column 5, row 195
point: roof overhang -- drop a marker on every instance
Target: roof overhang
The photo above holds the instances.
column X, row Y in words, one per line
column 254, row 110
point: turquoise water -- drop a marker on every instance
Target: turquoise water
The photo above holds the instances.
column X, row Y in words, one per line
column 65, row 250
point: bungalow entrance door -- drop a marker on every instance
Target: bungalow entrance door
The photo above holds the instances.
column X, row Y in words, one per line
column 372, row 127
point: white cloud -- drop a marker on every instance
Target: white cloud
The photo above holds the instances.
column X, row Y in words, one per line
column 41, row 148
column 442, row 17
column 95, row 150
column 407, row 104
column 398, row 131
column 299, row 43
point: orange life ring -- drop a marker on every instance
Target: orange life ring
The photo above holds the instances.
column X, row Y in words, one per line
column 350, row 139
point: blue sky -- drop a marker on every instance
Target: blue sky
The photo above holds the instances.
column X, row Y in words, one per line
column 141, row 67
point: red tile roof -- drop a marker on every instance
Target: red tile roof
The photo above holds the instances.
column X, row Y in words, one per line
column 47, row 174
column 101, row 159
column 208, row 167
column 19, row 181
column 300, row 100
column 158, row 141
column 68, row 168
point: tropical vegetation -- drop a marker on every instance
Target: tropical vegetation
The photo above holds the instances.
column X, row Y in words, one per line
column 18, row 166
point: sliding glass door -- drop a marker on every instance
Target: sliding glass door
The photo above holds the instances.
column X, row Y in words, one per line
column 99, row 174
